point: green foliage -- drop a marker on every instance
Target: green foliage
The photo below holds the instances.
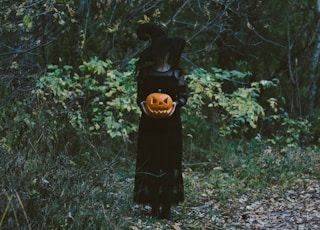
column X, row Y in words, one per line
column 95, row 105
column 92, row 105
column 293, row 132
column 238, row 108
column 229, row 101
column 98, row 101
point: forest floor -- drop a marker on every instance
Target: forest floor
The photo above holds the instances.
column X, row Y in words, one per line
column 65, row 192
column 257, row 193
column 297, row 208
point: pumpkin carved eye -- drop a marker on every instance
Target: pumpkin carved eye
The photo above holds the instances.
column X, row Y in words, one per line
column 159, row 105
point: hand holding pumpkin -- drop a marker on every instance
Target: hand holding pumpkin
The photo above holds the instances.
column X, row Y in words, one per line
column 143, row 107
column 174, row 106
column 158, row 105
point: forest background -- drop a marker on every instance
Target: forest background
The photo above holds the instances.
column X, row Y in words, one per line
column 68, row 117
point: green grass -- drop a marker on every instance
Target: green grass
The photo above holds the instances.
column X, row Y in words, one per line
column 64, row 192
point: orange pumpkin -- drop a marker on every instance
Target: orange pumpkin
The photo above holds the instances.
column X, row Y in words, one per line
column 159, row 105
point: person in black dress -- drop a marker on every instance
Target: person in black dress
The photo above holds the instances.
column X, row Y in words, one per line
column 158, row 176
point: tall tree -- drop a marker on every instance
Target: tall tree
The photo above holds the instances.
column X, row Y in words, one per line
column 314, row 65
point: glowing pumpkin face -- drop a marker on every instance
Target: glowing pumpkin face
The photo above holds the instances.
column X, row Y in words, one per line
column 159, row 105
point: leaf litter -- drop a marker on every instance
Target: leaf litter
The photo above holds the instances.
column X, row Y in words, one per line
column 295, row 208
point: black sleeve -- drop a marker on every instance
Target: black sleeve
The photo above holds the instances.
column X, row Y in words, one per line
column 182, row 95
column 141, row 89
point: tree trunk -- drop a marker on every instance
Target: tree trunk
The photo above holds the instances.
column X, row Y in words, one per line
column 314, row 65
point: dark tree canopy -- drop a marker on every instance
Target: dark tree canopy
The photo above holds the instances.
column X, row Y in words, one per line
column 271, row 39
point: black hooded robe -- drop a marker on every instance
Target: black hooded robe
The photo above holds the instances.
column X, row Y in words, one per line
column 158, row 178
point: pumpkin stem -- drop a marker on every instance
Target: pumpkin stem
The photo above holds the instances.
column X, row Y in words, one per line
column 159, row 90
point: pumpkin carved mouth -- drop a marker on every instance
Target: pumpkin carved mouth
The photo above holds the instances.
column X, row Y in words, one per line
column 159, row 105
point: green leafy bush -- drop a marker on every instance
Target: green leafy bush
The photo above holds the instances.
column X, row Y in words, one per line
column 288, row 131
column 98, row 99
column 229, row 102
column 94, row 107
column 238, row 108
column 71, row 109
column 222, row 104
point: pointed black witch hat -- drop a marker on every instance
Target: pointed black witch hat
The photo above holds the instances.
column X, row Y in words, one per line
column 160, row 45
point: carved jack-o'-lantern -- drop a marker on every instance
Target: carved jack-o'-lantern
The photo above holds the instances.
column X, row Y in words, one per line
column 159, row 105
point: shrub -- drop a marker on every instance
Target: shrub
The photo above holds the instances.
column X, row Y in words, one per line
column 222, row 104
column 238, row 108
column 94, row 107
column 73, row 109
